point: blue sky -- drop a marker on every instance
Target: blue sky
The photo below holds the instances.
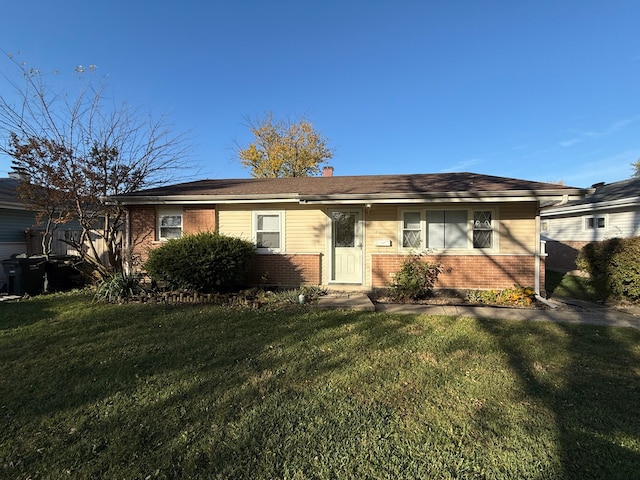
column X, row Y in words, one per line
column 540, row 90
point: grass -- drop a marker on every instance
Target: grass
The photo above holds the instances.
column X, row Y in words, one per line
column 573, row 286
column 139, row 391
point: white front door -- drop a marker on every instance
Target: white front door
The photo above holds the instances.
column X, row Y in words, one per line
column 346, row 246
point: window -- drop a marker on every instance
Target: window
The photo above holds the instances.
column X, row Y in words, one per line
column 591, row 223
column 447, row 229
column 411, row 230
column 169, row 223
column 267, row 231
column 482, row 230
column 344, row 225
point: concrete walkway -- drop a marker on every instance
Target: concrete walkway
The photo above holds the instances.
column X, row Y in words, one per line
column 567, row 311
column 6, row 298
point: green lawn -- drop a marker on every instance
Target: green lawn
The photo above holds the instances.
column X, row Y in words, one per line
column 572, row 286
column 141, row 391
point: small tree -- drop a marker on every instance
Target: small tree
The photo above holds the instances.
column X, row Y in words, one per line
column 636, row 168
column 284, row 149
column 75, row 150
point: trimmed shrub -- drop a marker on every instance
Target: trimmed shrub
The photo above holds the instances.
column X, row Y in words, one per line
column 614, row 266
column 415, row 279
column 205, row 262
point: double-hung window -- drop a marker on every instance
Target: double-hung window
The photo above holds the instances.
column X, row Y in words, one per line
column 268, row 231
column 411, row 230
column 169, row 223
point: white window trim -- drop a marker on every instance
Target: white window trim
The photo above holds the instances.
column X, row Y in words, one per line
column 470, row 214
column 168, row 211
column 494, row 237
column 254, row 232
column 423, row 234
column 595, row 218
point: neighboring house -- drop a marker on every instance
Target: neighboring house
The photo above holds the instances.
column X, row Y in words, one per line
column 19, row 231
column 355, row 231
column 611, row 210
column 14, row 220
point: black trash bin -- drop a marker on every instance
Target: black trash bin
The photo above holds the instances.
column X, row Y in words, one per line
column 24, row 274
column 61, row 274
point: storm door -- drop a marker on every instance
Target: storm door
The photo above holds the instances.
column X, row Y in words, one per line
column 346, row 246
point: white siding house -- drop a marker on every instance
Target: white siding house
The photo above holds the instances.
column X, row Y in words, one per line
column 14, row 219
column 611, row 211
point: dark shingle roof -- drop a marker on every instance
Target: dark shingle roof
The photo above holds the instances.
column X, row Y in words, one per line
column 614, row 191
column 607, row 192
column 349, row 186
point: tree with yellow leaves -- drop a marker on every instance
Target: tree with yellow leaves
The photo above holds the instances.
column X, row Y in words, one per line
column 284, row 148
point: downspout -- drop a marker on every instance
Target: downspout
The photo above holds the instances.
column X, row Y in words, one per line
column 127, row 241
column 538, row 253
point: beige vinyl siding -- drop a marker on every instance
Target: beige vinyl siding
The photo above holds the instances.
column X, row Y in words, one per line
column 514, row 225
column 234, row 220
column 517, row 228
column 304, row 226
column 305, row 229
column 381, row 224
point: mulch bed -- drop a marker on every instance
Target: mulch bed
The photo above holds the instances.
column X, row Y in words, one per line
column 451, row 298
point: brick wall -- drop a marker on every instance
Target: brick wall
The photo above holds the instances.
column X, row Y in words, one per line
column 562, row 255
column 289, row 270
column 198, row 219
column 142, row 232
column 467, row 271
column 143, row 227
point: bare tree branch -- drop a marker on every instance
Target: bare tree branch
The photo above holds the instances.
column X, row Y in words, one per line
column 75, row 150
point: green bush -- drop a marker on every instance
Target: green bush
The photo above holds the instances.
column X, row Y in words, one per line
column 117, row 287
column 415, row 279
column 614, row 266
column 205, row 262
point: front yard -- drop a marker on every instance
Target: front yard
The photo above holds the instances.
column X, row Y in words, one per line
column 189, row 391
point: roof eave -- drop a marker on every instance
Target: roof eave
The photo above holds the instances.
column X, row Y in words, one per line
column 590, row 207
column 480, row 196
column 420, row 197
column 198, row 199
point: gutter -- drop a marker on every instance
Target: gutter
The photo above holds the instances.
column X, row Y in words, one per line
column 463, row 196
column 197, row 199
column 590, row 207
column 337, row 198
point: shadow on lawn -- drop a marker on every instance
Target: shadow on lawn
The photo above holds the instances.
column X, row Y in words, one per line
column 186, row 389
column 165, row 393
column 590, row 402
column 28, row 313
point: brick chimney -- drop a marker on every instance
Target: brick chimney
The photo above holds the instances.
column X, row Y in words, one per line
column 327, row 171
